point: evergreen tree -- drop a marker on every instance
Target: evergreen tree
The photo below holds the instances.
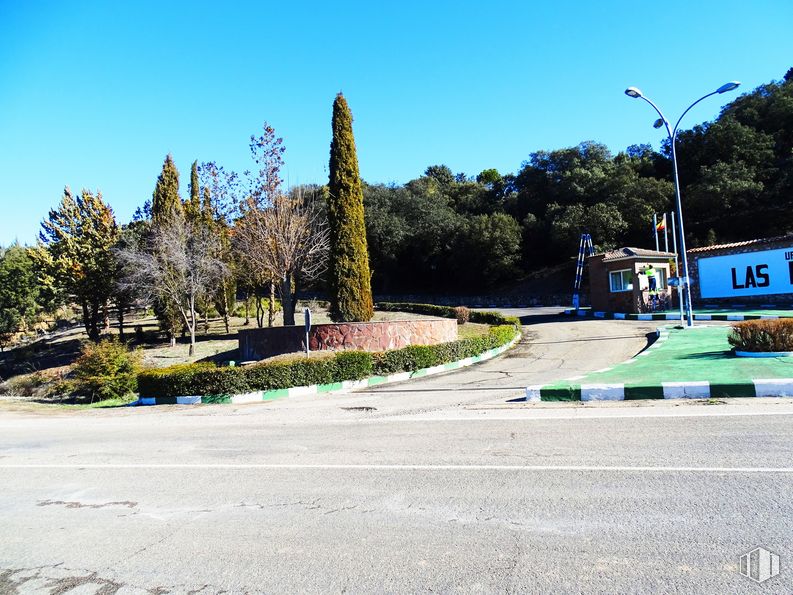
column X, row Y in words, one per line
column 75, row 250
column 166, row 207
column 19, row 291
column 165, row 202
column 207, row 210
column 193, row 206
column 349, row 279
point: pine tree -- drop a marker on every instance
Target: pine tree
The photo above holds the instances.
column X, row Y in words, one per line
column 19, row 291
column 76, row 251
column 349, row 279
column 207, row 210
column 166, row 206
column 193, row 206
column 165, row 202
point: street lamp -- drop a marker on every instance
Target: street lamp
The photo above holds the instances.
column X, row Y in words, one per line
column 636, row 93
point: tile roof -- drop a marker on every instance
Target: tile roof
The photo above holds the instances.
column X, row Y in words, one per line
column 621, row 253
column 740, row 244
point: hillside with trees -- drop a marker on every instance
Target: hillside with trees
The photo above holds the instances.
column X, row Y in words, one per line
column 458, row 233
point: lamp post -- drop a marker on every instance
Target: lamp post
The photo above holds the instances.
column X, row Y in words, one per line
column 672, row 132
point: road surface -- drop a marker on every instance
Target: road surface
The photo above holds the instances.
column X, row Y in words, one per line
column 441, row 484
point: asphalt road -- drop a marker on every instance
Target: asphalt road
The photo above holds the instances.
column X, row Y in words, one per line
column 440, row 484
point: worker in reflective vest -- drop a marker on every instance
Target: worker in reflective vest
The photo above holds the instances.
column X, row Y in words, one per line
column 652, row 283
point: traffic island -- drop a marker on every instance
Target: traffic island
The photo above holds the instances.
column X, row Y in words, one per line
column 692, row 363
column 192, row 384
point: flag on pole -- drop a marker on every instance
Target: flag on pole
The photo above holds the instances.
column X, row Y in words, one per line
column 661, row 226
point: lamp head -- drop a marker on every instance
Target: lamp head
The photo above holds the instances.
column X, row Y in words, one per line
column 633, row 92
column 728, row 87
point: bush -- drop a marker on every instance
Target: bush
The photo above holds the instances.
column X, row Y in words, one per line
column 352, row 365
column 106, row 370
column 207, row 379
column 762, row 335
column 491, row 318
column 463, row 314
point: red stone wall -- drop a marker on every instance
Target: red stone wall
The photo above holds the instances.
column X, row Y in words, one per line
column 261, row 343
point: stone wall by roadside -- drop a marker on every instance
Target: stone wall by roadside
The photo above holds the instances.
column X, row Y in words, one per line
column 261, row 343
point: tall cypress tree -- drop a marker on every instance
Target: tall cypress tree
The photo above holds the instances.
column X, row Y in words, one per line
column 193, row 206
column 165, row 206
column 165, row 200
column 349, row 277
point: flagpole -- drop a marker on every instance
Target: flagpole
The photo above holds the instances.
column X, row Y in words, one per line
column 677, row 272
column 666, row 236
column 655, row 231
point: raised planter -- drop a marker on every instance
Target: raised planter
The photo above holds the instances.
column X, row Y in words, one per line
column 261, row 343
column 763, row 353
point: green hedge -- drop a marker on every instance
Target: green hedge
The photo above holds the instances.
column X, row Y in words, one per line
column 762, row 335
column 492, row 318
column 207, row 379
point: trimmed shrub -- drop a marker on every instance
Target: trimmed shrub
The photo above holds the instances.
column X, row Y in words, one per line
column 177, row 380
column 353, row 365
column 491, row 318
column 463, row 314
column 206, row 379
column 105, row 370
column 762, row 335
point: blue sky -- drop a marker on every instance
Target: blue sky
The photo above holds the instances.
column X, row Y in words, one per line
column 94, row 94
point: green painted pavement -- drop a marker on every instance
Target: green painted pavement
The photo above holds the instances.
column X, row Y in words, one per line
column 701, row 354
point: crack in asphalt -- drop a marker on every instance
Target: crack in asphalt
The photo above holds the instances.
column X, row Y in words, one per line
column 17, row 581
column 308, row 505
column 13, row 585
column 65, row 504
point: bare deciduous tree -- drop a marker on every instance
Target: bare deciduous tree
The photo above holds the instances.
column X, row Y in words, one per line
column 286, row 240
column 178, row 265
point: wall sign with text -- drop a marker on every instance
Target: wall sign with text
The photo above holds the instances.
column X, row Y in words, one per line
column 752, row 273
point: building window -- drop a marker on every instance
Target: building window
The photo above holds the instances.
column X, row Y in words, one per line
column 621, row 280
column 660, row 275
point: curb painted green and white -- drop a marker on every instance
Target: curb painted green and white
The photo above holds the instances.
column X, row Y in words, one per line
column 316, row 389
column 774, row 387
column 669, row 315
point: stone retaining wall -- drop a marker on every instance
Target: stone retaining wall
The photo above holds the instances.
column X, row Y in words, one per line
column 261, row 343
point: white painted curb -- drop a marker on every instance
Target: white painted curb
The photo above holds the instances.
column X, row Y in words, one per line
column 774, row 387
column 686, row 390
column 603, row 392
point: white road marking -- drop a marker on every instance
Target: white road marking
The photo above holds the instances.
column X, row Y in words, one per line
column 581, row 414
column 375, row 467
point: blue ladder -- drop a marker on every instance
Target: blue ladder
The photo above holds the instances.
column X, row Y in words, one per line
column 585, row 249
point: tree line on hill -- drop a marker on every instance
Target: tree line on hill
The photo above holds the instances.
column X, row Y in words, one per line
column 447, row 232
column 243, row 234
